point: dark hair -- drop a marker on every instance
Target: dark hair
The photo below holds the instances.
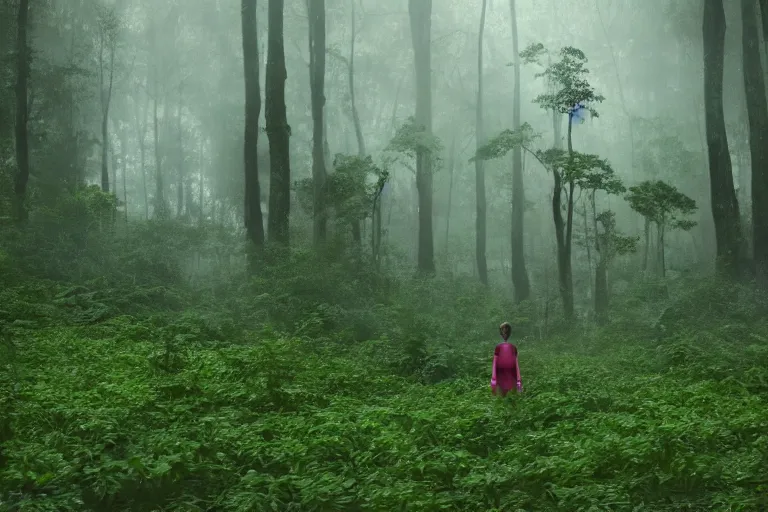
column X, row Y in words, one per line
column 505, row 327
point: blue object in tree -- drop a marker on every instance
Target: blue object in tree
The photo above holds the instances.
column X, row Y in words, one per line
column 578, row 114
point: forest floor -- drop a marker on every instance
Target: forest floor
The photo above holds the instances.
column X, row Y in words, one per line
column 165, row 410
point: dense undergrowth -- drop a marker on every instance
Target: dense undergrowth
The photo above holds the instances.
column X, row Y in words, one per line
column 125, row 384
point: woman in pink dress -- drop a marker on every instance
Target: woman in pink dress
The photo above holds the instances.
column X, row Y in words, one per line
column 505, row 374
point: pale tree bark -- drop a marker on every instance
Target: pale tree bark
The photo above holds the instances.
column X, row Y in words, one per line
column 160, row 208
column 181, row 172
column 141, row 134
column 355, row 115
column 480, row 199
column 106, row 38
column 519, row 272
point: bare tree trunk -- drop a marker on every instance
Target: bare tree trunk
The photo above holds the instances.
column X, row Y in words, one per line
column 647, row 231
column 355, row 115
column 420, row 13
column 278, row 130
column 451, row 167
column 316, row 11
column 757, row 113
column 106, row 98
column 519, row 272
column 356, row 236
column 161, row 209
column 124, row 161
column 201, row 189
column 661, row 256
column 254, row 223
column 480, row 205
column 725, row 207
column 588, row 247
column 180, row 177
column 141, row 132
column 22, row 133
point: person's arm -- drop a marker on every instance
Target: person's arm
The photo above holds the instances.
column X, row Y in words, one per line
column 517, row 370
column 493, row 370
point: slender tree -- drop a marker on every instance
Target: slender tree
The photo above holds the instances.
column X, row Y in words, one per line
column 316, row 11
column 361, row 152
column 520, row 279
column 757, row 114
column 480, row 212
column 725, row 207
column 420, row 14
column 22, row 113
column 278, row 130
column 107, row 43
column 254, row 224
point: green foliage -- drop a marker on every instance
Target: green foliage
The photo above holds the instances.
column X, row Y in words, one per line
column 116, row 423
column 505, row 142
column 412, row 138
column 349, row 191
column 611, row 242
column 567, row 77
column 320, row 384
column 662, row 203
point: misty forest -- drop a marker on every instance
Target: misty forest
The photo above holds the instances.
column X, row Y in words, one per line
column 254, row 255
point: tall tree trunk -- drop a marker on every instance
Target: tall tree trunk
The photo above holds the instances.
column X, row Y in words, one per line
column 480, row 205
column 757, row 113
column 647, row 232
column 278, row 131
column 601, row 269
column 587, row 245
column 355, row 115
column 141, row 133
column 180, row 176
column 420, row 13
column 201, row 184
column 565, row 264
column 451, row 168
column 361, row 152
column 22, row 134
column 660, row 227
column 160, row 209
column 725, row 207
column 106, row 98
column 113, row 162
column 254, row 223
column 124, row 162
column 316, row 11
column 520, row 279
column 562, row 255
column 160, row 206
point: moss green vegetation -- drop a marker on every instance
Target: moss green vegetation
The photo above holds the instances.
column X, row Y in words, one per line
column 342, row 391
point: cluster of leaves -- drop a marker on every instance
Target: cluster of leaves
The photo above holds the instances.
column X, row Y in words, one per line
column 566, row 77
column 611, row 242
column 662, row 204
column 349, row 190
column 412, row 139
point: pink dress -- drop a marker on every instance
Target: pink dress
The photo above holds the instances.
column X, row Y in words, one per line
column 505, row 368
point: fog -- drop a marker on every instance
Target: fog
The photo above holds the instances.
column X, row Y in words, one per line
column 184, row 62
